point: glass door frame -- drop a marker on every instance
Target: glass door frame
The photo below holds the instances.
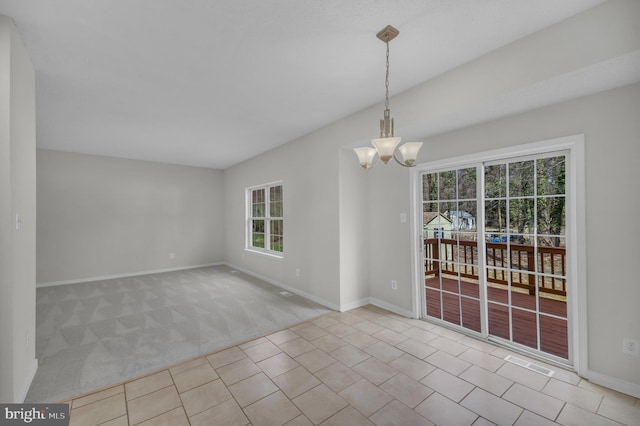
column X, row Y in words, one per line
column 575, row 234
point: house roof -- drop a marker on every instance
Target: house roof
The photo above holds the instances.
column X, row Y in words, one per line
column 458, row 213
column 428, row 217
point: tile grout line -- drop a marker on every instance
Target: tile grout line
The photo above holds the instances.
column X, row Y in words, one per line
column 126, row 404
column 179, row 398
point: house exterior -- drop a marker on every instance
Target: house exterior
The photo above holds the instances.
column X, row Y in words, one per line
column 461, row 220
column 435, row 225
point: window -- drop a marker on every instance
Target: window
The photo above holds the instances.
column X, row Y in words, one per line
column 265, row 220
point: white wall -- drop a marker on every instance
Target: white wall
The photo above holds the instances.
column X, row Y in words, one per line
column 611, row 128
column 389, row 239
column 512, row 79
column 102, row 216
column 353, row 229
column 323, row 192
column 17, row 197
column 310, row 181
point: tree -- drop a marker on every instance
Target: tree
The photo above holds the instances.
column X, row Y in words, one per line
column 551, row 181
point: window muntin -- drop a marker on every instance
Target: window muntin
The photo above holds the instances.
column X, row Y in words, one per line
column 520, row 275
column 265, row 219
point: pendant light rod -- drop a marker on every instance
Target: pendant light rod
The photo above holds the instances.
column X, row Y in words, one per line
column 387, row 34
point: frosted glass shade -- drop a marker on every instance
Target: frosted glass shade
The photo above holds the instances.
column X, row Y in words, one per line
column 409, row 152
column 385, row 147
column 365, row 156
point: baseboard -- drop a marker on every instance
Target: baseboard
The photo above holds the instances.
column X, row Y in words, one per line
column 293, row 290
column 342, row 308
column 131, row 274
column 614, row 383
column 355, row 304
column 28, row 381
column 390, row 307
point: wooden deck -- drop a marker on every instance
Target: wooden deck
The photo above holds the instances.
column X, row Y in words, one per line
column 553, row 331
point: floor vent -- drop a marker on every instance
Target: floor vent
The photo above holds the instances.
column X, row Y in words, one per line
column 286, row 294
column 529, row 365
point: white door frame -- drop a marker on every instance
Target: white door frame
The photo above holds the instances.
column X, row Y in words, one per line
column 576, row 229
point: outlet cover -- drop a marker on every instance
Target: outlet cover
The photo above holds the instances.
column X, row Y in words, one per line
column 630, row 346
column 394, row 284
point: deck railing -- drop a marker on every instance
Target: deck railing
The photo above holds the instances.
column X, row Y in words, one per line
column 452, row 257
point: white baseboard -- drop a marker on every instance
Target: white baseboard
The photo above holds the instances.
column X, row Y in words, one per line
column 342, row 308
column 390, row 307
column 131, row 274
column 293, row 290
column 355, row 304
column 27, row 383
column 614, row 383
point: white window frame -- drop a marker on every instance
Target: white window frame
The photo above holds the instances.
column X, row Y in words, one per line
column 576, row 228
column 267, row 219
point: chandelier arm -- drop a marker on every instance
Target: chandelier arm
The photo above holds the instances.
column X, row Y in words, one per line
column 398, row 161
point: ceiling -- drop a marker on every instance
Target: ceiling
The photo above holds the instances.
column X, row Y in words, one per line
column 213, row 83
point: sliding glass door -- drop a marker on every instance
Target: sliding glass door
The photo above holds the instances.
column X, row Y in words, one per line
column 494, row 250
column 525, row 209
column 449, row 230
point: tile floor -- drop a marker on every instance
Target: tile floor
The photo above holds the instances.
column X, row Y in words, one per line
column 367, row 366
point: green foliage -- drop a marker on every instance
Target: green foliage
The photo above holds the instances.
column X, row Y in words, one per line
column 551, row 180
column 257, row 240
column 519, row 196
column 430, row 187
column 536, row 191
column 466, row 179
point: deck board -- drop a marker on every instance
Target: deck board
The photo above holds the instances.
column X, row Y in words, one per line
column 553, row 331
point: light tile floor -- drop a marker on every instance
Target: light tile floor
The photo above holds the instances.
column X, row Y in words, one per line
column 367, row 366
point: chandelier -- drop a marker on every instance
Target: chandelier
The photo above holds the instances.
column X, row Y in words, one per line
column 385, row 146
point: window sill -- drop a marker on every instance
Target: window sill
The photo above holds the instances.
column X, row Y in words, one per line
column 272, row 255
